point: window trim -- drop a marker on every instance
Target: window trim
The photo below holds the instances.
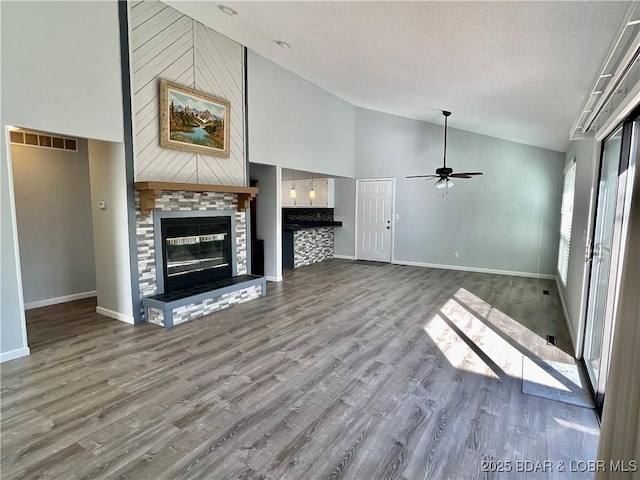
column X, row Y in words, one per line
column 566, row 219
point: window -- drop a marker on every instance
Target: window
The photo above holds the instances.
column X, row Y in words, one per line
column 566, row 217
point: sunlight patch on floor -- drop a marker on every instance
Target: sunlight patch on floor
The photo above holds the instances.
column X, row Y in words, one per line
column 495, row 316
column 577, row 427
column 470, row 345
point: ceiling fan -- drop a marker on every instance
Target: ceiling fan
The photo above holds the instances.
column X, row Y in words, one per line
column 445, row 173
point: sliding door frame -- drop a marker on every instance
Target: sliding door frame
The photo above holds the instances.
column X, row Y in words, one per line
column 626, row 165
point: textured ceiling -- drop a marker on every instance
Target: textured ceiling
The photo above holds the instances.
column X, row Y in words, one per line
column 513, row 70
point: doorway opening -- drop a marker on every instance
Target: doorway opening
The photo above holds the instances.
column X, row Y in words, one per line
column 53, row 217
column 69, row 195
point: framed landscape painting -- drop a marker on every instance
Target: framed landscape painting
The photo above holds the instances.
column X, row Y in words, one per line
column 193, row 121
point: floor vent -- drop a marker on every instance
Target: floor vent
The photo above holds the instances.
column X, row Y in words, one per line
column 551, row 340
column 545, row 292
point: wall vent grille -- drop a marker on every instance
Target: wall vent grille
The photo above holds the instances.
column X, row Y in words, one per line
column 43, row 140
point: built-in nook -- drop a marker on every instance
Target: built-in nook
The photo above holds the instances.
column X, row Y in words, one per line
column 192, row 250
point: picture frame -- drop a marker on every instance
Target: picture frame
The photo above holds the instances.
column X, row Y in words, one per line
column 193, row 121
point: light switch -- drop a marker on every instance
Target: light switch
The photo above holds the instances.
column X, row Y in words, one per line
column 102, row 204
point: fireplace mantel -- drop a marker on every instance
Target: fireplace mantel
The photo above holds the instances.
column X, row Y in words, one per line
column 149, row 191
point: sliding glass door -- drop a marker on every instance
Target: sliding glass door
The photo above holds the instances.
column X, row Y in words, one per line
column 614, row 189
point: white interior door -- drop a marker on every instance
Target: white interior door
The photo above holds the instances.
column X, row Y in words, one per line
column 374, row 220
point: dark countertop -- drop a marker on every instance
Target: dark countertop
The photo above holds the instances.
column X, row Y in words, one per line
column 300, row 225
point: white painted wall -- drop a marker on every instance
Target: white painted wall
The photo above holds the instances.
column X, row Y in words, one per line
column 53, row 209
column 112, row 255
column 506, row 220
column 269, row 218
column 60, row 72
column 295, row 124
column 61, row 67
column 13, row 332
column 573, row 294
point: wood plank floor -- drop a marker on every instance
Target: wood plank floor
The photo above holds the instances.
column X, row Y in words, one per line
column 341, row 371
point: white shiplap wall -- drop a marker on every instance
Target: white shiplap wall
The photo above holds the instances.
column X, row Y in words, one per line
column 167, row 44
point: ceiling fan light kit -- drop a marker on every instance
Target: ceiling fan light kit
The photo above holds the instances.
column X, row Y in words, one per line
column 444, row 174
column 444, row 183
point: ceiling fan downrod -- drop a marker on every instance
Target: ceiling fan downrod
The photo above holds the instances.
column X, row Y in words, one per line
column 446, row 115
column 444, row 173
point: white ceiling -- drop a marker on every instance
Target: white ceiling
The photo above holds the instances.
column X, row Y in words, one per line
column 513, row 70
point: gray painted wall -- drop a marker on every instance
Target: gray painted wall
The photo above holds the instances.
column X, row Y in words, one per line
column 111, row 236
column 295, row 124
column 506, row 220
column 55, row 232
column 268, row 217
column 58, row 104
column 345, row 211
column 573, row 293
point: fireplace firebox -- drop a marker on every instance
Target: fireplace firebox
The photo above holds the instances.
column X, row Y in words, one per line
column 195, row 251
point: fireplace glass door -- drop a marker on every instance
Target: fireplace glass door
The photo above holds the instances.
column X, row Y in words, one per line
column 196, row 251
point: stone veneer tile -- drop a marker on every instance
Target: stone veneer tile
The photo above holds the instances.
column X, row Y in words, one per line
column 186, row 201
column 195, row 310
column 312, row 245
column 156, row 316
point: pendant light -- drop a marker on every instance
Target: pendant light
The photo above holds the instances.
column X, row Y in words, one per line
column 292, row 192
column 312, row 193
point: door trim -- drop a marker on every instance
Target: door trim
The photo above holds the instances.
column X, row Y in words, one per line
column 626, row 165
column 393, row 214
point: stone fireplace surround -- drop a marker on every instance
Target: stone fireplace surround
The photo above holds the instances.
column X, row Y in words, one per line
column 189, row 204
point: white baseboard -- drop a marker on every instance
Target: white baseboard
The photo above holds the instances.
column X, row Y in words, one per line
column 55, row 301
column 566, row 318
column 13, row 354
column 474, row 269
column 115, row 315
column 273, row 279
column 344, row 257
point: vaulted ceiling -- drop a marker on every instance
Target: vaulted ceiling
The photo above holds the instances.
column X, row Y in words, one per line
column 513, row 70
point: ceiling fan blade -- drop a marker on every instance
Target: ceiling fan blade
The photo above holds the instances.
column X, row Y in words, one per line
column 423, row 176
column 468, row 173
column 460, row 175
